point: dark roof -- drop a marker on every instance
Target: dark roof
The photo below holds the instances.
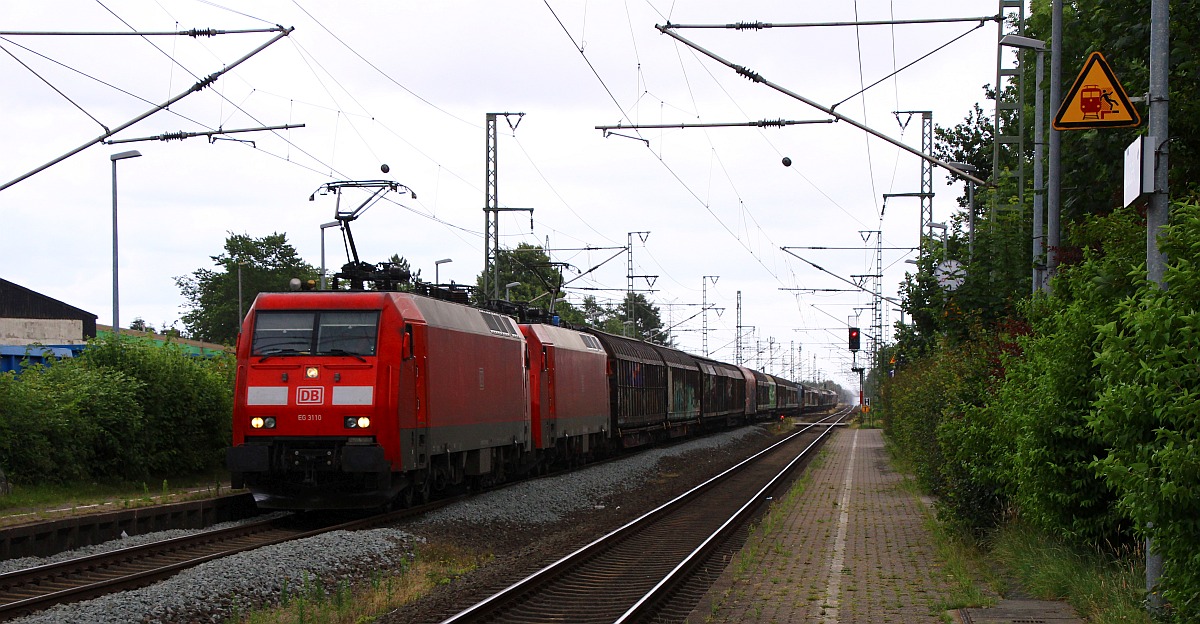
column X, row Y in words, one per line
column 16, row 301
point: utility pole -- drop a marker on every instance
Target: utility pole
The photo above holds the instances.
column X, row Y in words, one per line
column 630, row 309
column 737, row 339
column 704, row 308
column 491, row 205
column 1054, row 167
column 1158, row 212
column 926, row 193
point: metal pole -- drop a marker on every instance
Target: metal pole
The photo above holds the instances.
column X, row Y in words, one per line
column 240, row 317
column 116, row 326
column 325, row 226
column 1158, row 213
column 1038, row 189
column 971, row 222
column 1055, row 173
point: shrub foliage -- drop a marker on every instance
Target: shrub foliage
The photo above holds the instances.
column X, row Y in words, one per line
column 124, row 410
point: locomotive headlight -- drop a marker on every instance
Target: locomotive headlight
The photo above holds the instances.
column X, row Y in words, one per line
column 357, row 422
column 257, row 422
column 311, row 372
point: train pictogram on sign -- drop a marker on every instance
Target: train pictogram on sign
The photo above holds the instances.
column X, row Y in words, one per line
column 1096, row 100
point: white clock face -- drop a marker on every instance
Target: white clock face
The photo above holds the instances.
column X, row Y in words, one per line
column 949, row 274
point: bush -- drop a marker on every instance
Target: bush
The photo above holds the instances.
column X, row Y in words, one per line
column 1048, row 393
column 67, row 422
column 125, row 409
column 931, row 413
column 187, row 402
column 1147, row 412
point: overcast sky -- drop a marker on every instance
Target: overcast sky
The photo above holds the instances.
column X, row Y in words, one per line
column 409, row 84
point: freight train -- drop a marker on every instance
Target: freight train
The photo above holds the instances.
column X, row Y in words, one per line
column 361, row 399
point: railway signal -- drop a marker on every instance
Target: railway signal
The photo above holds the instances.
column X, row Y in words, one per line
column 855, row 339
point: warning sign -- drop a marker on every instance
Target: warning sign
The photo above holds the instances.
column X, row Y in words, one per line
column 1096, row 100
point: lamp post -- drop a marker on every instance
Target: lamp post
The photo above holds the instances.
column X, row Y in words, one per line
column 240, row 316
column 973, row 170
column 437, row 264
column 508, row 287
column 1039, row 240
column 116, row 297
column 325, row 226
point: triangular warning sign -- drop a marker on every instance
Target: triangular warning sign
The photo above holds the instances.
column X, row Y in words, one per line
column 1096, row 100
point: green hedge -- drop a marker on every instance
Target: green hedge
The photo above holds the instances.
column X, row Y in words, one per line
column 1090, row 429
column 125, row 409
column 1148, row 414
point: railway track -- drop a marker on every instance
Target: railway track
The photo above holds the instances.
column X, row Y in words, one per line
column 26, row 591
column 637, row 572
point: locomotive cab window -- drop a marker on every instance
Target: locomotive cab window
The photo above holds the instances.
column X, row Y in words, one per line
column 283, row 333
column 318, row 333
column 347, row 332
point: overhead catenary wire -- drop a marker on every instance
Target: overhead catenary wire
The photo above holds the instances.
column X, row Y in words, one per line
column 203, row 83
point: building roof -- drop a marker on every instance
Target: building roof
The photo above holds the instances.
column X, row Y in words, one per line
column 16, row 301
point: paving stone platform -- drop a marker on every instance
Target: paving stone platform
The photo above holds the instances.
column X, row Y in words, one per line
column 854, row 548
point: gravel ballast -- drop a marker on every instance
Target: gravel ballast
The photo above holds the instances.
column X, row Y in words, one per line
column 215, row 590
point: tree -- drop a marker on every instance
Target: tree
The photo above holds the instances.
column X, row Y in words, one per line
column 267, row 264
column 637, row 318
column 539, row 280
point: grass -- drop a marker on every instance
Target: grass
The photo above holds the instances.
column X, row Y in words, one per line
column 342, row 603
column 25, row 499
column 972, row 583
column 748, row 559
column 1104, row 585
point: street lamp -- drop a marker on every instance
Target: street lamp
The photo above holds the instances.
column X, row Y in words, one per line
column 437, row 264
column 509, row 286
column 116, row 298
column 240, row 316
column 325, row 226
column 973, row 170
column 1039, row 240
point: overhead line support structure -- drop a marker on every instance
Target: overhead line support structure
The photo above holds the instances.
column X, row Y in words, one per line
column 491, row 207
column 630, row 308
column 668, row 29
column 766, row 25
column 926, row 193
column 765, row 123
column 200, row 85
column 211, row 134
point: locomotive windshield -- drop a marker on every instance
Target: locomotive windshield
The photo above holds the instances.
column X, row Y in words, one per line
column 312, row 332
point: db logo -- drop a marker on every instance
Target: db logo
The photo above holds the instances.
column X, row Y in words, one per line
column 310, row 395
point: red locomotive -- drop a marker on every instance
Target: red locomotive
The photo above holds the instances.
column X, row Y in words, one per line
column 357, row 399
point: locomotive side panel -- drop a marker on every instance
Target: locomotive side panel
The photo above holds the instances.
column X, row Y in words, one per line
column 568, row 385
column 476, row 385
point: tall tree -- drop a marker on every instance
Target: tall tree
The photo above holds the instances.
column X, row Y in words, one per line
column 637, row 318
column 266, row 264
